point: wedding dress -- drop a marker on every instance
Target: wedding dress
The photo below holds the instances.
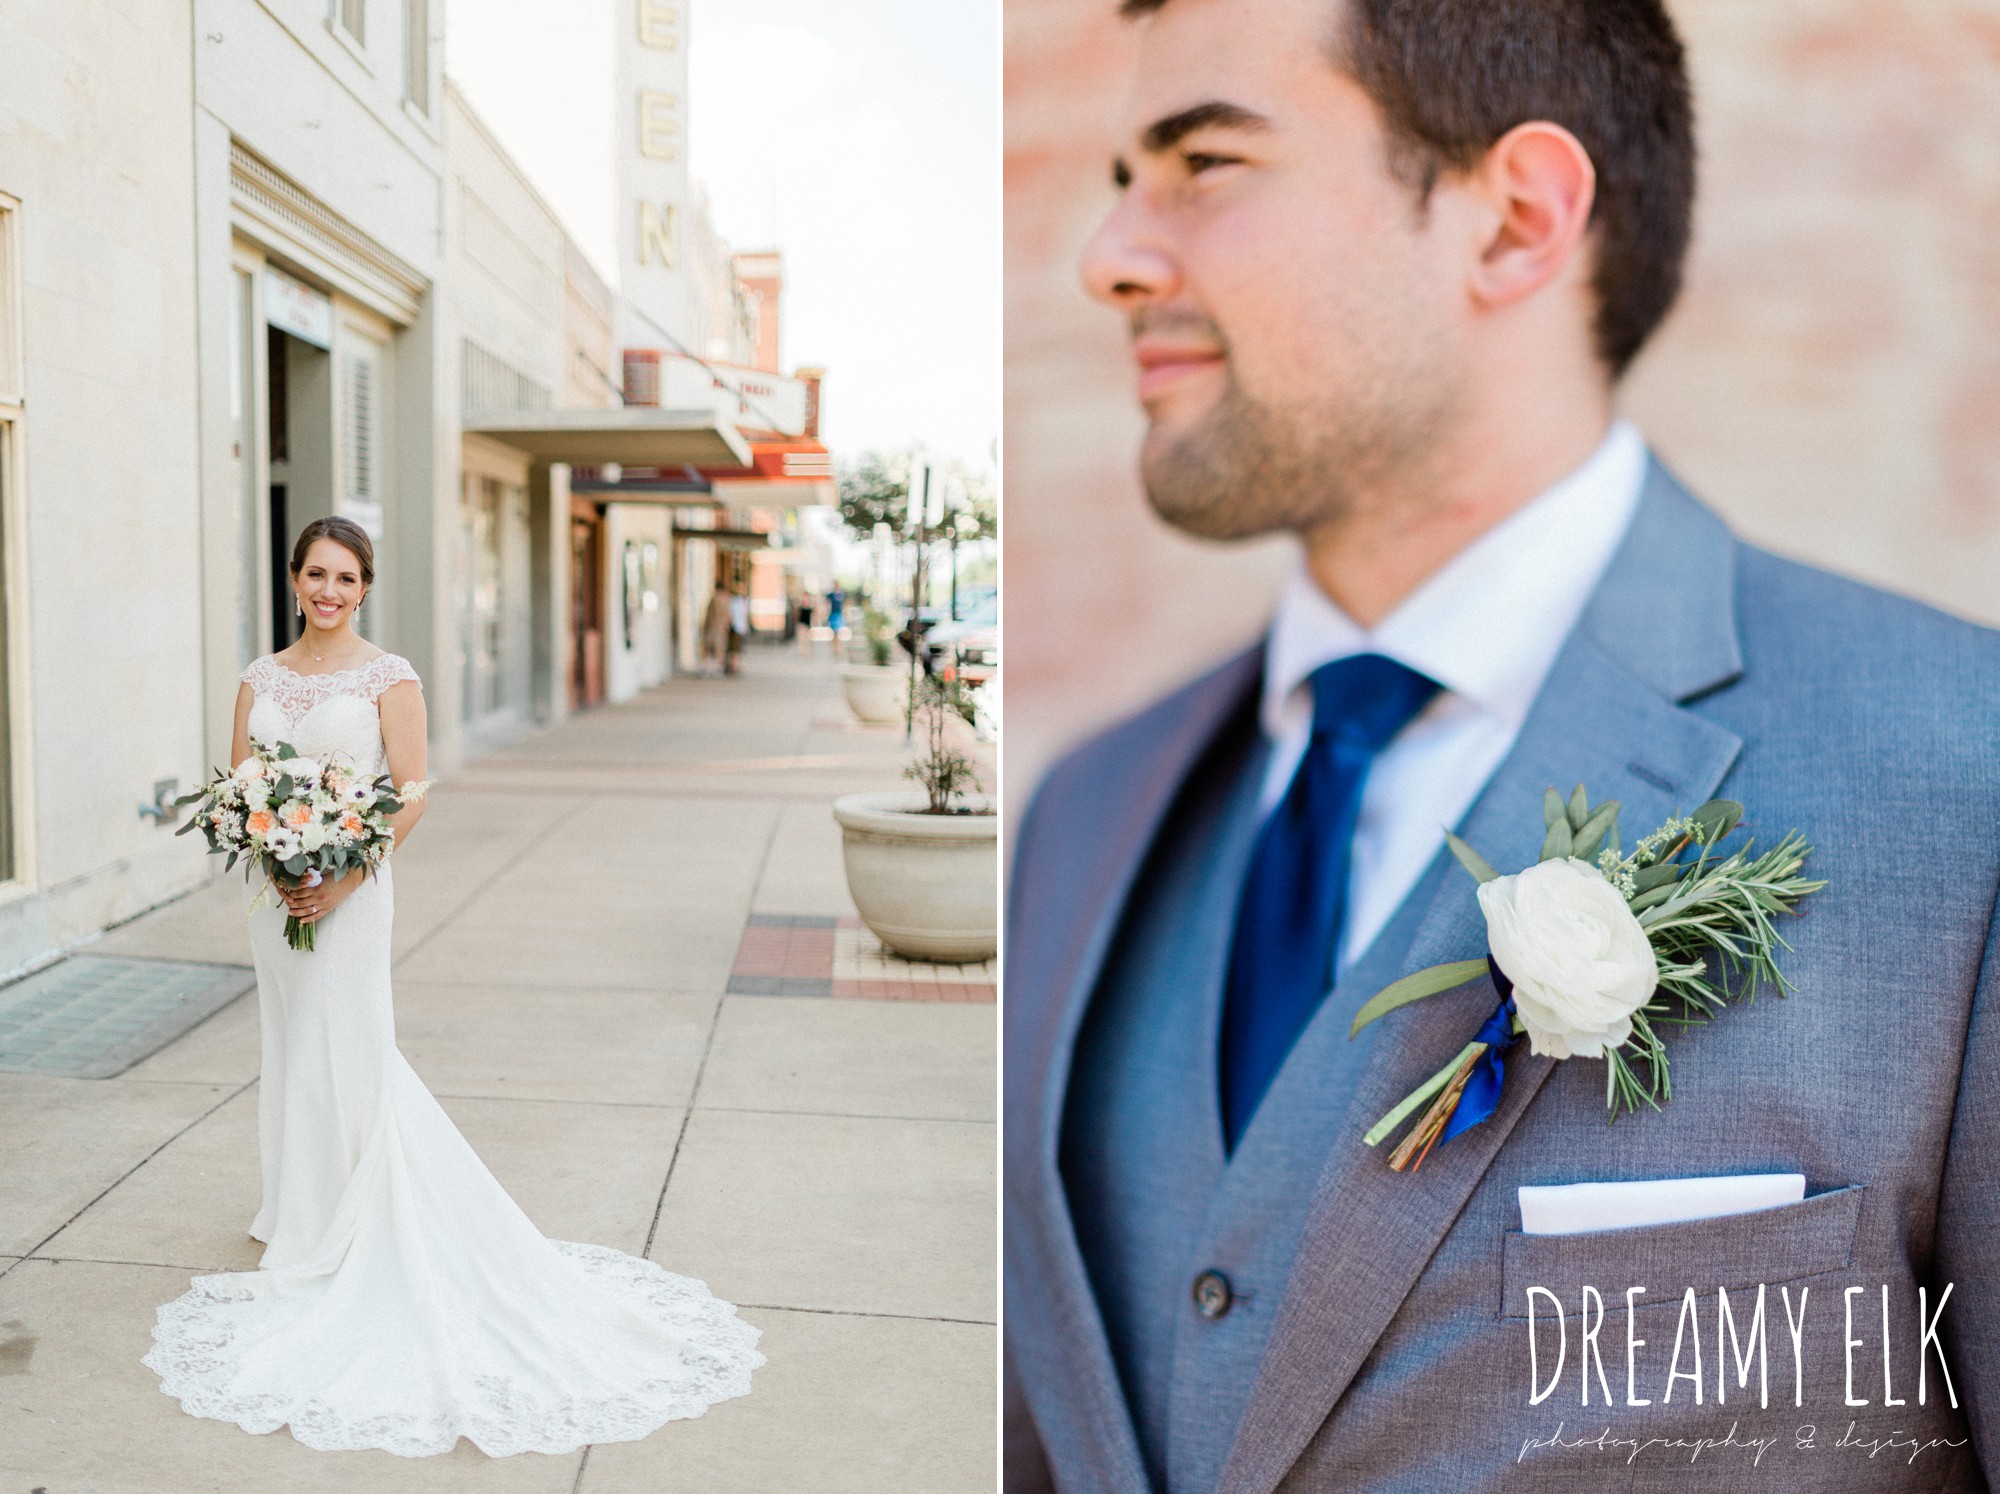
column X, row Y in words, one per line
column 403, row 1299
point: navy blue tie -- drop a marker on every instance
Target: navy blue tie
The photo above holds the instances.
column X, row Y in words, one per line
column 1288, row 924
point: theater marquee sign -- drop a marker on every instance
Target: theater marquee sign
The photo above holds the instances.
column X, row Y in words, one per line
column 653, row 172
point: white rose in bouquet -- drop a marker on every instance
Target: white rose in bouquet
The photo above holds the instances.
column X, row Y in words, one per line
column 1579, row 961
column 250, row 770
column 313, row 836
column 302, row 769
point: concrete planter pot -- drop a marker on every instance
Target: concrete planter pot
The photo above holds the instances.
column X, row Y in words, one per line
column 927, row 884
column 875, row 692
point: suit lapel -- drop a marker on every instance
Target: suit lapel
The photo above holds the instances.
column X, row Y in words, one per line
column 1189, row 726
column 1659, row 630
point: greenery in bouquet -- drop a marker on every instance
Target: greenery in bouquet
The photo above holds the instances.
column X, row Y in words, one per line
column 300, row 820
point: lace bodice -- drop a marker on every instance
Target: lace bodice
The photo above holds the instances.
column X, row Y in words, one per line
column 321, row 713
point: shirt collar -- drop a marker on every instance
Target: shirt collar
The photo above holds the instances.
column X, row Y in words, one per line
column 1488, row 625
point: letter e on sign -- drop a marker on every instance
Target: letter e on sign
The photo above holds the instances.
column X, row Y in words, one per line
column 656, row 234
column 659, row 125
column 659, row 24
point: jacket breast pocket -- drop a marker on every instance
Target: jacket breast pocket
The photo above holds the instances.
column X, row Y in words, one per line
column 1732, row 1251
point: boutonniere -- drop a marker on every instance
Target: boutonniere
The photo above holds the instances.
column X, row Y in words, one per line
column 1595, row 953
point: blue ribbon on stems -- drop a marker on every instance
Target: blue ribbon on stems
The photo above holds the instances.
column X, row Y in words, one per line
column 1465, row 1091
column 1481, row 1095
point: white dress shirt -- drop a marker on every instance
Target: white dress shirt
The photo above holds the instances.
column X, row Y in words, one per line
column 1487, row 627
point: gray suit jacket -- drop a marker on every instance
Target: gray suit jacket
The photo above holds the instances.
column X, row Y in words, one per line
column 1398, row 1356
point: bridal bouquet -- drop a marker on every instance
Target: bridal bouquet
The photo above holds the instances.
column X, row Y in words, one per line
column 1596, row 953
column 302, row 820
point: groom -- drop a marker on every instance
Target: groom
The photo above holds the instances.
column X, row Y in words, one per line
column 1384, row 263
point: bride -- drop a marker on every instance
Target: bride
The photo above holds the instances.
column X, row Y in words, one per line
column 403, row 1300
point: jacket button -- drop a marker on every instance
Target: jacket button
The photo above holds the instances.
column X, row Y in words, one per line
column 1212, row 1296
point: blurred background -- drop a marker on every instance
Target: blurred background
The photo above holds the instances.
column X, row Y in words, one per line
column 1830, row 381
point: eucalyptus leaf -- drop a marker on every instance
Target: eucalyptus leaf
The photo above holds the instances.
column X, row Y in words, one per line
column 295, row 866
column 1579, row 810
column 1553, row 810
column 189, row 826
column 1415, row 988
column 286, row 750
column 1716, row 818
column 1657, row 876
column 1603, row 822
column 1558, row 843
column 1470, row 859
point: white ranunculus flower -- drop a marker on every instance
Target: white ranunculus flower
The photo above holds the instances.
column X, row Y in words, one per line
column 249, row 770
column 1579, row 961
column 313, row 836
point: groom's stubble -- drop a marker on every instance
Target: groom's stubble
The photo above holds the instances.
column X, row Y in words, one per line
column 1341, row 442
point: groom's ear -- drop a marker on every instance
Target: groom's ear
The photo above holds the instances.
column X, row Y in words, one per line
column 1530, row 200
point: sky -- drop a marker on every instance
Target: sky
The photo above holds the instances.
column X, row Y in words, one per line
column 863, row 138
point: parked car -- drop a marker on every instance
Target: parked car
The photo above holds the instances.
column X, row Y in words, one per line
column 968, row 648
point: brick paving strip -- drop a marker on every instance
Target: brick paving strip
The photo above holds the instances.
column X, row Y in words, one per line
column 802, row 954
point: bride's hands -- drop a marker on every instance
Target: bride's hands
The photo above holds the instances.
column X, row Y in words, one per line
column 311, row 904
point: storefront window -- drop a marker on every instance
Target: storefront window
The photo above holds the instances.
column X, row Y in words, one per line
column 417, row 54
column 353, row 17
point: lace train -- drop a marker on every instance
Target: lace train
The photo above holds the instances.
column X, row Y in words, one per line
column 195, row 1334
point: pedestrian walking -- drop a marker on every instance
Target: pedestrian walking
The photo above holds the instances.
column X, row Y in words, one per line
column 804, row 626
column 739, row 629
column 715, row 630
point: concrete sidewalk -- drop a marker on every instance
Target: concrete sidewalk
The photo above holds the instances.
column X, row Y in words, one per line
column 572, row 916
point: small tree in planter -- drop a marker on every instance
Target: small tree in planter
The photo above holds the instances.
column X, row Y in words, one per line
column 878, row 630
column 946, row 773
column 924, row 867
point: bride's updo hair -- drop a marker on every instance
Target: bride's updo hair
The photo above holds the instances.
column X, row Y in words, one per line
column 343, row 532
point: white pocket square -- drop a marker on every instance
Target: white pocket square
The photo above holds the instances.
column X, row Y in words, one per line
column 1573, row 1208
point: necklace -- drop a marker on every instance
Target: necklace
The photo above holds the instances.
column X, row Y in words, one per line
column 306, row 639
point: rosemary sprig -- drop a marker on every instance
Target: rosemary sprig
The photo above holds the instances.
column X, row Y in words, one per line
column 1712, row 922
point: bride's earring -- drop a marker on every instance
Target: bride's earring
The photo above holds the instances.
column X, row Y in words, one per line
column 297, row 605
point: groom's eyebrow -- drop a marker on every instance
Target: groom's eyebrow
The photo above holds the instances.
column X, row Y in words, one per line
column 1169, row 130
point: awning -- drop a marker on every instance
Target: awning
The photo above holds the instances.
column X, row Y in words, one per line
column 728, row 539
column 793, row 471
column 633, row 436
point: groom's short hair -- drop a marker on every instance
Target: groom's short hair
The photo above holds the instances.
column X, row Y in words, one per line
column 1453, row 76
